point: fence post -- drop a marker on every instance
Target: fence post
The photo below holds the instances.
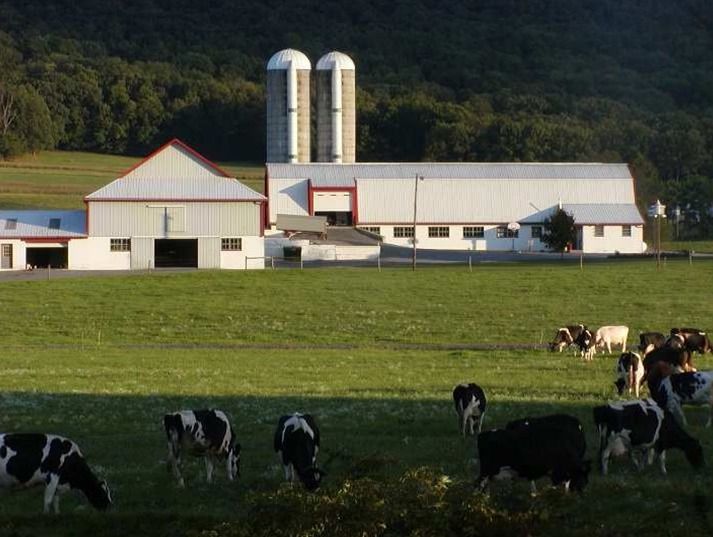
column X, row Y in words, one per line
column 690, row 257
column 272, row 262
column 246, row 262
column 378, row 261
column 48, row 271
column 581, row 261
column 470, row 263
column 301, row 263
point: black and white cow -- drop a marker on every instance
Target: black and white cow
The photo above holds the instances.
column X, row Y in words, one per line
column 202, row 433
column 470, row 403
column 629, row 373
column 643, row 429
column 689, row 388
column 585, row 343
column 297, row 444
column 648, row 341
column 566, row 336
column 534, row 448
column 30, row 459
column 679, row 359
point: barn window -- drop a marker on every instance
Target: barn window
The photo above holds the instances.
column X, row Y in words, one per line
column 599, row 231
column 11, row 223
column 536, row 232
column 231, row 244
column 403, row 231
column 439, row 232
column 626, row 231
column 473, row 232
column 372, row 229
column 54, row 223
column 119, row 245
column 502, row 232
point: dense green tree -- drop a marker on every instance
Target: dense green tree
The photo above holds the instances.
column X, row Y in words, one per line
column 559, row 230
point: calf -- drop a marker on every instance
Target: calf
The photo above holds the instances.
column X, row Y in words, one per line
column 470, row 403
column 648, row 341
column 533, row 449
column 566, row 336
column 297, row 444
column 606, row 336
column 202, row 433
column 28, row 459
column 641, row 427
column 689, row 388
column 629, row 372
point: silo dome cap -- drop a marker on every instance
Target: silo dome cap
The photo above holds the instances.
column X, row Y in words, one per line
column 285, row 58
column 335, row 59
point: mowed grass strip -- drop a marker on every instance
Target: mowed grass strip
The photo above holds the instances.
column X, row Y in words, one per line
column 61, row 179
column 359, row 307
column 381, row 412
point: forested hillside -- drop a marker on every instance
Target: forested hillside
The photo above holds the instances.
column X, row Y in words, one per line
column 461, row 80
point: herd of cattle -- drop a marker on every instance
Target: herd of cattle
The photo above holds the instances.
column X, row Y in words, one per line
column 529, row 448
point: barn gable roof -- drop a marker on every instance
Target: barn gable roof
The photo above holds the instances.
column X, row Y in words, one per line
column 37, row 224
column 175, row 172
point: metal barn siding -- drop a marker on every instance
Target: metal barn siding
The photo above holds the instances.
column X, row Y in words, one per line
column 209, row 252
column 142, row 253
column 289, row 196
column 136, row 218
column 172, row 162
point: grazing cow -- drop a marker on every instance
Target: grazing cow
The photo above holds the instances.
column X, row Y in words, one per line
column 470, row 405
column 533, row 448
column 29, row 459
column 648, row 341
column 297, row 444
column 689, row 388
column 202, row 433
column 642, row 427
column 630, row 372
column 585, row 344
column 607, row 336
column 566, row 336
column 698, row 342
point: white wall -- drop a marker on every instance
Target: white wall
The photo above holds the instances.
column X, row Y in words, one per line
column 613, row 241
column 252, row 247
column 455, row 241
column 93, row 253
column 18, row 254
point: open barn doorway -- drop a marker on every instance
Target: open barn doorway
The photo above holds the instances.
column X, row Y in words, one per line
column 176, row 253
column 336, row 218
column 43, row 257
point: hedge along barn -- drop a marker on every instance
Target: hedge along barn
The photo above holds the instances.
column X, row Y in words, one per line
column 174, row 209
column 469, row 206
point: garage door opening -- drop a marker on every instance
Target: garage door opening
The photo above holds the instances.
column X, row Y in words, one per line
column 44, row 257
column 336, row 218
column 176, row 253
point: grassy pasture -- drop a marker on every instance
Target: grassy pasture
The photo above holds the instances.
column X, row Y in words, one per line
column 61, row 179
column 373, row 355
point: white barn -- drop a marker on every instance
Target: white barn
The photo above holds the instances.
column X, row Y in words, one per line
column 173, row 209
column 464, row 205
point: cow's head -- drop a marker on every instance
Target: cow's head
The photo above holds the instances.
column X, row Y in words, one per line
column 580, row 476
column 77, row 473
column 312, row 478
column 676, row 341
column 234, row 461
column 585, row 339
column 561, row 340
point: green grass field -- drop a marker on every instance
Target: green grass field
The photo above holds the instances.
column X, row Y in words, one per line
column 61, row 179
column 374, row 356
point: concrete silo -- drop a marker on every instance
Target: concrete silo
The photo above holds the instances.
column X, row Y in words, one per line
column 288, row 96
column 336, row 109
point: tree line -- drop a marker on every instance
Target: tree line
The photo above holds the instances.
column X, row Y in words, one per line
column 490, row 80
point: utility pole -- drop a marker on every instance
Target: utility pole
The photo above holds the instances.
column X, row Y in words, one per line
column 658, row 212
column 415, row 205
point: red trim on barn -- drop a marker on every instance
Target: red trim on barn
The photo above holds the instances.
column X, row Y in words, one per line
column 489, row 224
column 355, row 206
column 310, row 202
column 86, row 217
column 48, row 239
column 266, row 207
column 352, row 189
column 176, row 141
column 262, row 220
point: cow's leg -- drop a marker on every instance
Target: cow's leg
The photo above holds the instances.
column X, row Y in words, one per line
column 608, row 343
column 55, row 502
column 482, row 417
column 482, row 483
column 50, row 491
column 208, row 467
column 662, row 462
column 533, row 488
column 174, row 460
column 604, row 458
column 637, row 458
column 623, row 346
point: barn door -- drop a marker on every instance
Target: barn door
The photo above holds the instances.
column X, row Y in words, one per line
column 6, row 256
column 209, row 252
column 142, row 253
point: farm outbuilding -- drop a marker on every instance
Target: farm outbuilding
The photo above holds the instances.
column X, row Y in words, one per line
column 469, row 206
column 173, row 209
